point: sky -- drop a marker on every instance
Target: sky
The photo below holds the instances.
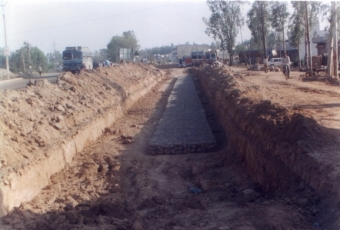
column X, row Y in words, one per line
column 55, row 24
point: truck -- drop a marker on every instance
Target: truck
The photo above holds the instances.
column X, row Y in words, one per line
column 188, row 55
column 77, row 57
column 210, row 57
column 198, row 58
column 184, row 62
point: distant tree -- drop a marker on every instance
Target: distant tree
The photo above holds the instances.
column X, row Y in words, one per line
column 2, row 59
column 128, row 40
column 240, row 47
column 274, row 40
column 54, row 60
column 22, row 58
column 223, row 23
column 100, row 55
column 279, row 18
column 259, row 23
column 297, row 26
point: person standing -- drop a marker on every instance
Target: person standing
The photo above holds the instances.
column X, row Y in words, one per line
column 30, row 71
column 286, row 63
column 265, row 64
column 40, row 70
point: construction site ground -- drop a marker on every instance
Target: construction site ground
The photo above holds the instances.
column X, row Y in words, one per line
column 116, row 184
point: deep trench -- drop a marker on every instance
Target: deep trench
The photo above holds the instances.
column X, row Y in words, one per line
column 316, row 207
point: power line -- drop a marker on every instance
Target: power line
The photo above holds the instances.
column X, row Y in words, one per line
column 95, row 19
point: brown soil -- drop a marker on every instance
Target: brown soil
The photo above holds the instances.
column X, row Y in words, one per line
column 114, row 184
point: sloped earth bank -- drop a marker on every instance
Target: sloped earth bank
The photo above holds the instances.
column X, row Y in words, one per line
column 44, row 125
column 286, row 132
column 114, row 184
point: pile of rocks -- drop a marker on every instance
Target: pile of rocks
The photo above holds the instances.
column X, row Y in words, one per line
column 257, row 67
column 274, row 68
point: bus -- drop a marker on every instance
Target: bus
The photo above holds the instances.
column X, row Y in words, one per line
column 77, row 57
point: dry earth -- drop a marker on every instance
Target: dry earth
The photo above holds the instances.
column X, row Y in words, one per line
column 115, row 184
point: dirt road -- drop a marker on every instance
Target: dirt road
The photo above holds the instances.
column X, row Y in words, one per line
column 115, row 184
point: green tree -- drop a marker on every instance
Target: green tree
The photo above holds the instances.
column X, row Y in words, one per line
column 128, row 41
column 274, row 40
column 223, row 23
column 279, row 18
column 27, row 55
column 297, row 26
column 54, row 59
column 259, row 23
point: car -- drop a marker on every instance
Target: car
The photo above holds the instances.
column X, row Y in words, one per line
column 275, row 62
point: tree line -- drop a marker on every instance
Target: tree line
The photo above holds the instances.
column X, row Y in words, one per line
column 268, row 21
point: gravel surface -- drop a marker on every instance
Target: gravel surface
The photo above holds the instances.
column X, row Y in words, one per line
column 183, row 127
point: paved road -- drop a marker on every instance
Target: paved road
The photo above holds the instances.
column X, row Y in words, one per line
column 20, row 83
column 183, row 127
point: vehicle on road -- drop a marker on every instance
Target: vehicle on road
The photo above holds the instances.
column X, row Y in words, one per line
column 184, row 62
column 275, row 62
column 198, row 58
column 76, row 58
column 210, row 57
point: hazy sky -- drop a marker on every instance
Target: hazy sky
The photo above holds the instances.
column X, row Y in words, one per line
column 60, row 23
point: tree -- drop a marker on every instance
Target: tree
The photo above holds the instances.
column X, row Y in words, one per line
column 2, row 59
column 100, row 55
column 54, row 60
column 279, row 17
column 128, row 40
column 297, row 26
column 274, row 40
column 223, row 23
column 312, row 11
column 22, row 58
column 259, row 23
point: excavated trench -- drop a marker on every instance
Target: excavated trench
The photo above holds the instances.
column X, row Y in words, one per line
column 271, row 142
column 279, row 147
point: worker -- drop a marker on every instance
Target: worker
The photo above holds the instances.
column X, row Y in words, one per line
column 265, row 64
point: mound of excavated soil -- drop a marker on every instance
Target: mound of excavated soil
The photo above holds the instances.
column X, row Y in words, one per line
column 44, row 125
column 274, row 130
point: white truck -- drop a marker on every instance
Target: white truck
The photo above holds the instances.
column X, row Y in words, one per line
column 186, row 50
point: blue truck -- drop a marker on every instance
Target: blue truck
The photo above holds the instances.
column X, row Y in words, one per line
column 77, row 57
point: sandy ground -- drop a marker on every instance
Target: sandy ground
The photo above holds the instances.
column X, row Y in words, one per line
column 115, row 184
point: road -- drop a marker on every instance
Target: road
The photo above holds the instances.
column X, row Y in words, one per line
column 20, row 83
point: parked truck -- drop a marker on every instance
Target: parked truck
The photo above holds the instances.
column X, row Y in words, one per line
column 188, row 55
column 198, row 58
column 77, row 57
column 210, row 57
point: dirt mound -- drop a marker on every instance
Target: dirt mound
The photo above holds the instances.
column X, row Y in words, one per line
column 44, row 125
column 273, row 140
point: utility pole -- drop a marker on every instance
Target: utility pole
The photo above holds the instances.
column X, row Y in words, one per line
column 23, row 60
column 308, row 43
column 330, row 48
column 6, row 50
column 335, row 41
